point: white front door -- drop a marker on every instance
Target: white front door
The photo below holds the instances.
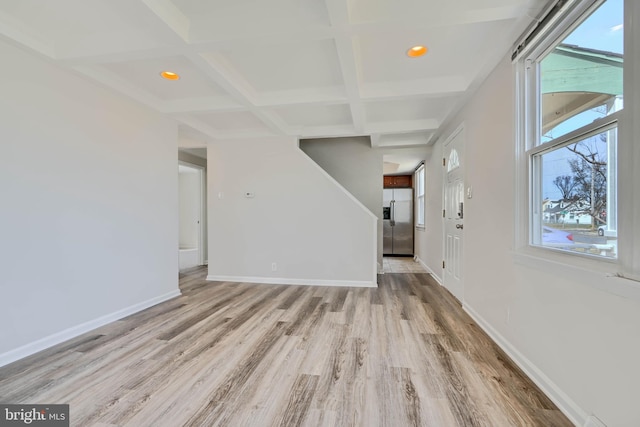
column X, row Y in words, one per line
column 454, row 213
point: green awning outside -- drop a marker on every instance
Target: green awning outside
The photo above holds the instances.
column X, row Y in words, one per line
column 575, row 79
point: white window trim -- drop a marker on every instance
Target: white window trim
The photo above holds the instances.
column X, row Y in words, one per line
column 420, row 198
column 593, row 128
column 620, row 276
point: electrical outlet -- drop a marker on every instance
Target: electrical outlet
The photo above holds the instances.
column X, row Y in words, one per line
column 274, row 266
column 508, row 315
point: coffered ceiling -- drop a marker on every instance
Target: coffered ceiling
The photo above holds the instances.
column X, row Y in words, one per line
column 304, row 68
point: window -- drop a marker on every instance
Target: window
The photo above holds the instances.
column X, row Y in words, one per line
column 572, row 95
column 419, row 184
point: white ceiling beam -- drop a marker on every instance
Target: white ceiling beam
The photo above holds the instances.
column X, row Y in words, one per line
column 339, row 17
column 324, row 96
column 119, row 84
column 171, row 16
column 452, row 15
column 400, row 126
column 190, row 137
column 197, row 125
column 249, row 39
column 327, row 131
column 93, row 57
column 216, row 134
column 114, row 57
column 403, row 144
column 500, row 13
column 222, row 73
column 161, row 29
column 440, row 86
column 216, row 68
column 273, row 121
column 404, row 139
column 15, row 30
column 213, row 65
column 205, row 104
column 375, row 140
column 167, row 24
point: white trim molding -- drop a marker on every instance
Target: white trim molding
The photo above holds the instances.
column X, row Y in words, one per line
column 568, row 407
column 75, row 331
column 300, row 282
column 429, row 270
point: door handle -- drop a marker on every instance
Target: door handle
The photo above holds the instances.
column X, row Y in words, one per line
column 459, row 226
column 393, row 212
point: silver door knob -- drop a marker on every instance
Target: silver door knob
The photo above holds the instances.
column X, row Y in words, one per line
column 459, row 226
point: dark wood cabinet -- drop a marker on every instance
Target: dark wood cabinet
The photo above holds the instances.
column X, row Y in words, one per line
column 397, row 181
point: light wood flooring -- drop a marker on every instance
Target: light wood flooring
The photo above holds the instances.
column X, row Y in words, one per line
column 401, row 264
column 238, row 354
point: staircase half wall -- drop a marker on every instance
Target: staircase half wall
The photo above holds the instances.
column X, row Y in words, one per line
column 276, row 217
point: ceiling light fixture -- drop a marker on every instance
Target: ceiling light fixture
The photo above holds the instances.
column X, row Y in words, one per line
column 169, row 75
column 416, row 51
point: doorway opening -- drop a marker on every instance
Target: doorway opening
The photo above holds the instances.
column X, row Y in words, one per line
column 192, row 215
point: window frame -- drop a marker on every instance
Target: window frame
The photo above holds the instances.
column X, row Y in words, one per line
column 564, row 263
column 534, row 154
column 420, row 193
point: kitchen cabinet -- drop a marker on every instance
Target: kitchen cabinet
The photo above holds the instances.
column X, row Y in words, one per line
column 397, row 181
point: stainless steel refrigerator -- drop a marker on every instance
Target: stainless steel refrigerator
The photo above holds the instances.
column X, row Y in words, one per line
column 397, row 221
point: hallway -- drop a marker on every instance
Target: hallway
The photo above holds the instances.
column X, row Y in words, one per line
column 401, row 265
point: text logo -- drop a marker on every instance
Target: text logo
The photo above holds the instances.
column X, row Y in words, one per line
column 34, row 415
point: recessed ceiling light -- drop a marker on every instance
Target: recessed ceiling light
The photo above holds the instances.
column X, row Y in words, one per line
column 416, row 51
column 169, row 75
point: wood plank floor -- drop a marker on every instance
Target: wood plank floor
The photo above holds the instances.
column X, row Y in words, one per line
column 238, row 354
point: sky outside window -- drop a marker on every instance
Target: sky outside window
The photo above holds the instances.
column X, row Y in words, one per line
column 602, row 31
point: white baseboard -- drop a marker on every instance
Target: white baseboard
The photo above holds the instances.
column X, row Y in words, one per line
column 59, row 337
column 568, row 407
column 302, row 282
column 593, row 421
column 426, row 267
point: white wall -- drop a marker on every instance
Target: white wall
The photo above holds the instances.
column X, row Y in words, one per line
column 356, row 166
column 89, row 207
column 577, row 341
column 300, row 218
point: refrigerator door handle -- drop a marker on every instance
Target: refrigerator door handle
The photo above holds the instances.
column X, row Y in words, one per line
column 393, row 213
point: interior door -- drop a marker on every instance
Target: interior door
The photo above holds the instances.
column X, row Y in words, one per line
column 454, row 214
